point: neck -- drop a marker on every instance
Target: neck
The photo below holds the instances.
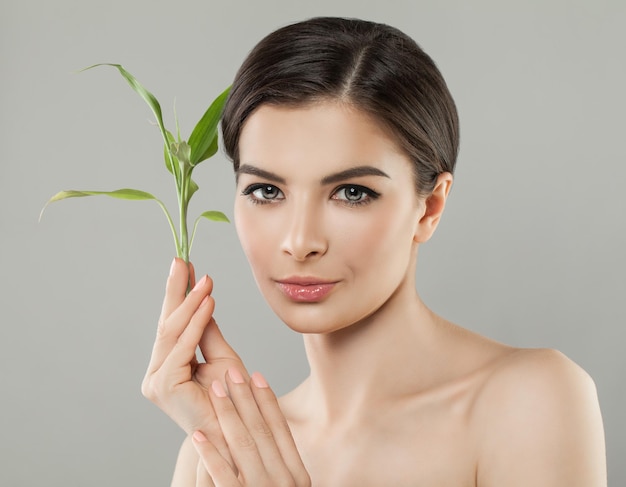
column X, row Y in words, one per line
column 371, row 362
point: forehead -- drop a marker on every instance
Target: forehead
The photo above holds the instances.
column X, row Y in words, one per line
column 327, row 136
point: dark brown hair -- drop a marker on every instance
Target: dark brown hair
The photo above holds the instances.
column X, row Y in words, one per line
column 373, row 67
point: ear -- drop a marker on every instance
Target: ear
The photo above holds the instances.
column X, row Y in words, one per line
column 433, row 208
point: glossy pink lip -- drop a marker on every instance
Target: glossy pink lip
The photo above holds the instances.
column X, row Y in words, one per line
column 305, row 289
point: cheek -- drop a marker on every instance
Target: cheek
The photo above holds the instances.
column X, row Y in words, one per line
column 254, row 235
column 383, row 235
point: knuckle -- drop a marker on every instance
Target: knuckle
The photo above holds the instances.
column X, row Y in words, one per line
column 284, row 425
column 145, row 389
column 149, row 390
column 262, row 429
column 221, row 469
column 145, row 392
column 245, row 442
column 226, row 409
column 155, row 388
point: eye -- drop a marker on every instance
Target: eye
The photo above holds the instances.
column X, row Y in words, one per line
column 263, row 193
column 354, row 195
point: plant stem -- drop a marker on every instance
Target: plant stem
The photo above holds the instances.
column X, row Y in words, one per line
column 183, row 203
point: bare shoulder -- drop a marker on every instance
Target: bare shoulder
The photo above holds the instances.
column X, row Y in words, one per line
column 548, row 374
column 537, row 421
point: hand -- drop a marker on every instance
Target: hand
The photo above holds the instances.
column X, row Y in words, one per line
column 175, row 381
column 257, row 435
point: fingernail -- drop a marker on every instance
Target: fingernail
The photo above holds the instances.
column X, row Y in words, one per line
column 201, row 282
column 172, row 266
column 218, row 388
column 259, row 380
column 203, row 302
column 199, row 436
column 235, row 375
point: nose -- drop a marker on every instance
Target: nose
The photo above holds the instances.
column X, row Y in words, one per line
column 305, row 238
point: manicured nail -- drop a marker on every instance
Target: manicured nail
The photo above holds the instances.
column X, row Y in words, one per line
column 201, row 282
column 199, row 436
column 235, row 375
column 172, row 266
column 218, row 388
column 259, row 380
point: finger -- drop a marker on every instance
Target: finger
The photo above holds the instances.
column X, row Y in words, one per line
column 274, row 418
column 241, row 443
column 218, row 469
column 183, row 352
column 173, row 327
column 261, row 432
column 175, row 288
column 182, row 277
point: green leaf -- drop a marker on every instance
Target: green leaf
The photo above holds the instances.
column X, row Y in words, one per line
column 181, row 151
column 192, row 188
column 148, row 97
column 123, row 194
column 216, row 216
column 167, row 155
column 204, row 135
column 210, row 152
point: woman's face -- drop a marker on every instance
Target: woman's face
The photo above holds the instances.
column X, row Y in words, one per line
column 327, row 213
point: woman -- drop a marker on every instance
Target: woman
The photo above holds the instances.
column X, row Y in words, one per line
column 344, row 139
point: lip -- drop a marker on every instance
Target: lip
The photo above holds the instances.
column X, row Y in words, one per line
column 305, row 289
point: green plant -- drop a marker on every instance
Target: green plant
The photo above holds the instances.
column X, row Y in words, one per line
column 181, row 157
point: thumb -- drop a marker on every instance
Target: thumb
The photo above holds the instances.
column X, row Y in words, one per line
column 213, row 345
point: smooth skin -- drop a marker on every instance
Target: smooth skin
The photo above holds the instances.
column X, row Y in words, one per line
column 396, row 395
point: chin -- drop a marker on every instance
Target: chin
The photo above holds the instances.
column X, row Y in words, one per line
column 319, row 318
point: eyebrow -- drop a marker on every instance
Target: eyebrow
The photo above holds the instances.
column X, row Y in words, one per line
column 262, row 173
column 353, row 172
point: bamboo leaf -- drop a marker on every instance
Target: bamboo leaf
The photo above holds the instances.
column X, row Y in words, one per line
column 181, row 151
column 193, row 187
column 216, row 216
column 124, row 194
column 167, row 155
column 204, row 133
column 148, row 97
column 210, row 152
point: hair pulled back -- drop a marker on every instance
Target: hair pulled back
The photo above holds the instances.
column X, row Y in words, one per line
column 370, row 66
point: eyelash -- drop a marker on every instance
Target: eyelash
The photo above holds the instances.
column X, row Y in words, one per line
column 370, row 195
column 249, row 192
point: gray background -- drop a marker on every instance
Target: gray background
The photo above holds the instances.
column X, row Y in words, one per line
column 530, row 250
